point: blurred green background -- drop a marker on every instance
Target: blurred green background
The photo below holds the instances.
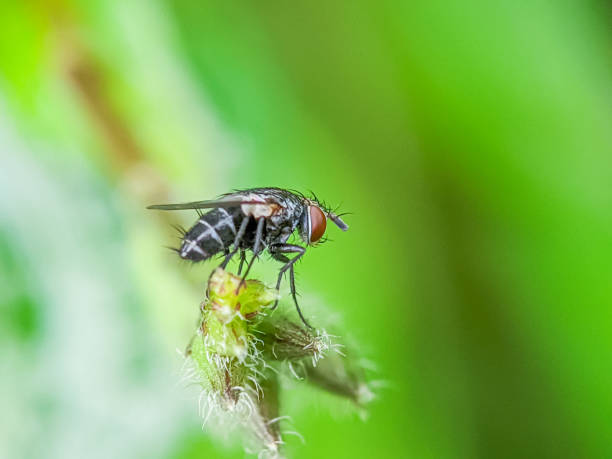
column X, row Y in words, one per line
column 471, row 140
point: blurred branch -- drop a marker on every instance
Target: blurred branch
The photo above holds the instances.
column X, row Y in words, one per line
column 88, row 80
column 87, row 77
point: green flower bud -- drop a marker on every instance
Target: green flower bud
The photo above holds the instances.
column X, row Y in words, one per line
column 341, row 375
column 218, row 374
column 238, row 351
column 224, row 351
column 286, row 340
column 229, row 299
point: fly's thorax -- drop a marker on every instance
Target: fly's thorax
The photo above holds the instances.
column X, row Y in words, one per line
column 259, row 210
column 269, row 202
column 281, row 225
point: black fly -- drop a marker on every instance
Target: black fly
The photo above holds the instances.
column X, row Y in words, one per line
column 256, row 219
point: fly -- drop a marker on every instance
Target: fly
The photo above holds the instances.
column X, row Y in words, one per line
column 256, row 219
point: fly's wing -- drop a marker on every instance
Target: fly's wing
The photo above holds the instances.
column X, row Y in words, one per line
column 213, row 204
column 229, row 200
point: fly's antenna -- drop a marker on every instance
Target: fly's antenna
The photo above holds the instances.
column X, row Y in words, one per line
column 331, row 214
column 335, row 217
column 337, row 220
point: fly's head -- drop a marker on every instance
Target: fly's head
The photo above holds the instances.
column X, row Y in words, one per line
column 314, row 221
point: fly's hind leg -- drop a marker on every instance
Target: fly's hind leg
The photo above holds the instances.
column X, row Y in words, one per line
column 277, row 251
column 257, row 248
column 242, row 260
column 237, row 239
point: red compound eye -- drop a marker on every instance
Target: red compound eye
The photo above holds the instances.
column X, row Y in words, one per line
column 318, row 223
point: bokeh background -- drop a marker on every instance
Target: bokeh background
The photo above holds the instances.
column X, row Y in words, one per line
column 471, row 140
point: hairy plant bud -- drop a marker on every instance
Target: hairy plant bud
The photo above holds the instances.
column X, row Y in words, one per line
column 286, row 340
column 239, row 352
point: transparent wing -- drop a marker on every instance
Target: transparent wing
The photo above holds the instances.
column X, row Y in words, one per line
column 229, row 201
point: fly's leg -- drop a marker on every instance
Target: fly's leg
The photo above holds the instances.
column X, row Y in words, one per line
column 293, row 294
column 242, row 260
column 282, row 258
column 257, row 247
column 277, row 251
column 237, row 239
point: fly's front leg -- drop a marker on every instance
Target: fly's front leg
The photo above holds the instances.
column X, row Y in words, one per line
column 257, row 247
column 237, row 239
column 277, row 251
column 294, row 295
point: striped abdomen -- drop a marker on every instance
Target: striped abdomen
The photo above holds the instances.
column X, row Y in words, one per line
column 214, row 232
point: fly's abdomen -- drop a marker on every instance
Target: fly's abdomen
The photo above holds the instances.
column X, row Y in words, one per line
column 214, row 232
